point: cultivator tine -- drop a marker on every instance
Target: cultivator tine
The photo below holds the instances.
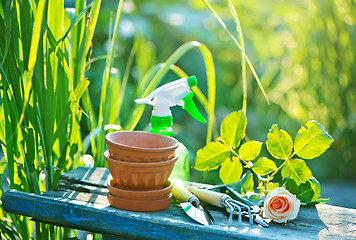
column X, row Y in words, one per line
column 231, row 209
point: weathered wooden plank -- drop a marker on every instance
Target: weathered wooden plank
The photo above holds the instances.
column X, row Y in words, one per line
column 88, row 176
column 80, row 202
column 92, row 212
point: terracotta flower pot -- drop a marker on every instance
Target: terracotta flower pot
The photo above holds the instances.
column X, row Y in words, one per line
column 139, row 205
column 140, row 195
column 136, row 146
column 140, row 176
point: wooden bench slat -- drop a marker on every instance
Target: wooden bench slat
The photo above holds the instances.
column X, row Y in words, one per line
column 80, row 202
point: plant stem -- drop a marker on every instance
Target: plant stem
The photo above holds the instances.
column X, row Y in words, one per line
column 280, row 167
column 233, row 151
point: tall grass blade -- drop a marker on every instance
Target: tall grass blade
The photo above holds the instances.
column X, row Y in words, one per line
column 33, row 54
column 77, row 19
column 243, row 61
column 221, row 22
column 40, row 127
column 104, row 104
column 125, row 78
column 8, row 22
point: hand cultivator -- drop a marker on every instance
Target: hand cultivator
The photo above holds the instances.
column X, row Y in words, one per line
column 234, row 203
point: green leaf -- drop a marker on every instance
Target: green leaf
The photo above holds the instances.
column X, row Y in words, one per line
column 279, row 143
column 311, row 141
column 245, row 184
column 230, row 170
column 263, row 166
column 296, row 169
column 250, row 150
column 211, row 156
column 8, row 27
column 233, row 127
column 76, row 20
column 36, row 35
column 291, row 186
column 254, row 198
column 271, row 186
column 309, row 192
column 59, row 53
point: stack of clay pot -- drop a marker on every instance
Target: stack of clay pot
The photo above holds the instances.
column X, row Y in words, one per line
column 140, row 164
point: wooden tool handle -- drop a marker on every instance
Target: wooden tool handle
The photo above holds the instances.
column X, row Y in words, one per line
column 211, row 197
column 183, row 195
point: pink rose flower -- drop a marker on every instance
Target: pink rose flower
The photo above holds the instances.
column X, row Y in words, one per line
column 280, row 205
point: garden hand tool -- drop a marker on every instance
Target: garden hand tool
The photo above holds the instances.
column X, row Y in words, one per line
column 232, row 206
column 191, row 205
column 255, row 210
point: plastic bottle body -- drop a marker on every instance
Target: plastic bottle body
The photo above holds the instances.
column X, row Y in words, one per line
column 181, row 170
column 163, row 126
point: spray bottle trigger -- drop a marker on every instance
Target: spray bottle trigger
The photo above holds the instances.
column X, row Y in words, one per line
column 190, row 107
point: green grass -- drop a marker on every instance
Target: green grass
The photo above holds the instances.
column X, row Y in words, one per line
column 43, row 57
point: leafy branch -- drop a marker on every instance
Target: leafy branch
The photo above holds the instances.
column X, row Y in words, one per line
column 228, row 154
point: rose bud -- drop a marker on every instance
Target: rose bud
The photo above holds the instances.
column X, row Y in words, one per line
column 280, row 205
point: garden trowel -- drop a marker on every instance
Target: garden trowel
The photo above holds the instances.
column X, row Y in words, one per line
column 191, row 205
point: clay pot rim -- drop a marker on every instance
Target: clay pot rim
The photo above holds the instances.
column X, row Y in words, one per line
column 141, row 164
column 143, row 201
column 134, row 194
column 140, row 149
column 112, row 184
column 139, row 205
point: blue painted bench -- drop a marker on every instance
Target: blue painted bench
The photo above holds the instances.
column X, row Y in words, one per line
column 80, row 202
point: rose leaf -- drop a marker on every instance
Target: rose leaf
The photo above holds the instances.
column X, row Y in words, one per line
column 245, row 184
column 233, row 127
column 230, row 170
column 263, row 166
column 291, row 186
column 279, row 143
column 250, row 150
column 255, row 198
column 272, row 185
column 211, row 156
column 312, row 140
column 309, row 192
column 297, row 170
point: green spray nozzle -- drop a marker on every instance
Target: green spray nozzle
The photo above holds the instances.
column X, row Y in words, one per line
column 190, row 107
column 192, row 81
column 163, row 98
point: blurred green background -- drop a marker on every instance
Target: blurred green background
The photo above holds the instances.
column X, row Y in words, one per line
column 303, row 50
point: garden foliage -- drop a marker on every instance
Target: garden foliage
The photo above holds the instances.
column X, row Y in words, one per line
column 44, row 51
column 231, row 153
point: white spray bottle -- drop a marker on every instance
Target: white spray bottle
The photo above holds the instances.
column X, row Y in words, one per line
column 162, row 99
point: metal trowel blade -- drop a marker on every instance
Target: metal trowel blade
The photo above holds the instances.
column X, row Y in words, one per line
column 197, row 214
